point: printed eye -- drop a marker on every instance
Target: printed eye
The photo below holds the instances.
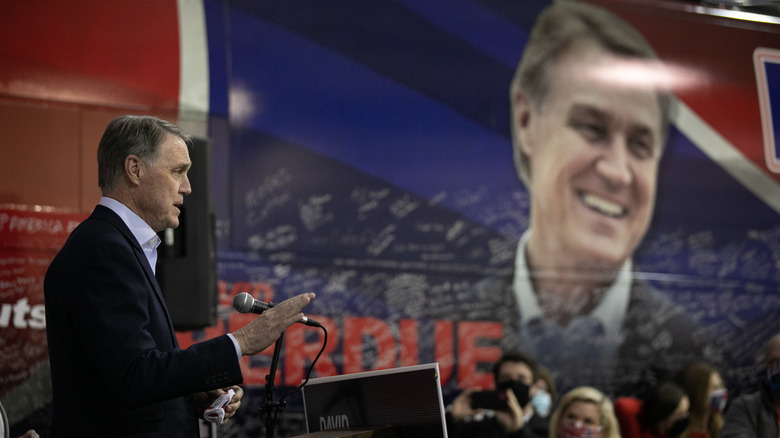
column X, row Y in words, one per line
column 590, row 131
column 642, row 142
column 641, row 148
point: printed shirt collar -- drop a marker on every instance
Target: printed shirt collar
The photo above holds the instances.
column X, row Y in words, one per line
column 610, row 312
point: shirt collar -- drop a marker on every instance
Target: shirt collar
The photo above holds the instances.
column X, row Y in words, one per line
column 610, row 312
column 142, row 232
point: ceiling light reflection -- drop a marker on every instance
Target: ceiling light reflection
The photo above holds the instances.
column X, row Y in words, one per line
column 243, row 104
column 647, row 74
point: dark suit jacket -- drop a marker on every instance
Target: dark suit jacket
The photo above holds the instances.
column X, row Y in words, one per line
column 116, row 366
column 752, row 415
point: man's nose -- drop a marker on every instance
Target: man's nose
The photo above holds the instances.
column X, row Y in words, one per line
column 614, row 164
column 185, row 188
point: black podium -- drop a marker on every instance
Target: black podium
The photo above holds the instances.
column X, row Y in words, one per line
column 405, row 401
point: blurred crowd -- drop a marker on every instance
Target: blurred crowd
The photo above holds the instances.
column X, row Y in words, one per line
column 692, row 403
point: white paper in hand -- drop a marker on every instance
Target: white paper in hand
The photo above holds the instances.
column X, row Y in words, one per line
column 216, row 412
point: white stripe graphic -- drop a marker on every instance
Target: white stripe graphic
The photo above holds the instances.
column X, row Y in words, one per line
column 193, row 68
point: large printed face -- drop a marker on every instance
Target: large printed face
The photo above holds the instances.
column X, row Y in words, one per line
column 593, row 148
column 164, row 185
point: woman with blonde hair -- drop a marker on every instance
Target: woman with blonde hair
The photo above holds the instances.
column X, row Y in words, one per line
column 584, row 412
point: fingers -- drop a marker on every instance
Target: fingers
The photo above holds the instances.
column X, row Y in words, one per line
column 235, row 402
column 262, row 331
column 238, row 393
column 230, row 410
column 512, row 419
column 461, row 407
column 293, row 306
column 514, row 405
column 288, row 312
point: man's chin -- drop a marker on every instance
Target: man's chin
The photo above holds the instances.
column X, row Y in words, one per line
column 602, row 255
column 604, row 246
column 173, row 223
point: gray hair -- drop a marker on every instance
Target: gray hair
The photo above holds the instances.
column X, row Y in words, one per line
column 131, row 135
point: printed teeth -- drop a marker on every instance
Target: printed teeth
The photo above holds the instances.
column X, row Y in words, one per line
column 603, row 206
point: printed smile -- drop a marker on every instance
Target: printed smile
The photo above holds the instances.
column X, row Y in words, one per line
column 602, row 206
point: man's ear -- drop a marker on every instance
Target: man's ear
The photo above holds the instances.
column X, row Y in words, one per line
column 134, row 169
column 522, row 114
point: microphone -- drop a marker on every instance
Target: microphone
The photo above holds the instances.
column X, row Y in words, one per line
column 245, row 303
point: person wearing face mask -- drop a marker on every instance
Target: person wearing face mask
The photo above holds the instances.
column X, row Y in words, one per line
column 544, row 397
column 515, row 377
column 661, row 413
column 757, row 414
column 708, row 397
column 584, row 412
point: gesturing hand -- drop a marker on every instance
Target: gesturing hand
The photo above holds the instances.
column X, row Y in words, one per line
column 263, row 331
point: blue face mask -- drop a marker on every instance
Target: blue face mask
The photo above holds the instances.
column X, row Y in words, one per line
column 542, row 402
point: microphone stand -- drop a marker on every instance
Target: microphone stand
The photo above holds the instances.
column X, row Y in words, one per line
column 270, row 407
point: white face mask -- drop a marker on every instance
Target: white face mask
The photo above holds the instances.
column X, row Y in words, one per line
column 542, row 402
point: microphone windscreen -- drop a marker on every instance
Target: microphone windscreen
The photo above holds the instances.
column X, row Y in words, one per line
column 243, row 302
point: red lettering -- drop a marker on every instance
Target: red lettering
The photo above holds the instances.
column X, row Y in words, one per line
column 409, row 350
column 262, row 291
column 355, row 328
column 238, row 287
column 444, row 350
column 470, row 353
column 222, row 290
column 367, row 344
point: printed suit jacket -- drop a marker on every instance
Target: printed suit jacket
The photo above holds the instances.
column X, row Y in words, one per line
column 657, row 338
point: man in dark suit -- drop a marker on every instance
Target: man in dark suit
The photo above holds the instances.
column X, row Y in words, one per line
column 757, row 414
column 590, row 117
column 117, row 369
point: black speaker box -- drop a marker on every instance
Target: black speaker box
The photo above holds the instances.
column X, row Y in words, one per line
column 187, row 258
